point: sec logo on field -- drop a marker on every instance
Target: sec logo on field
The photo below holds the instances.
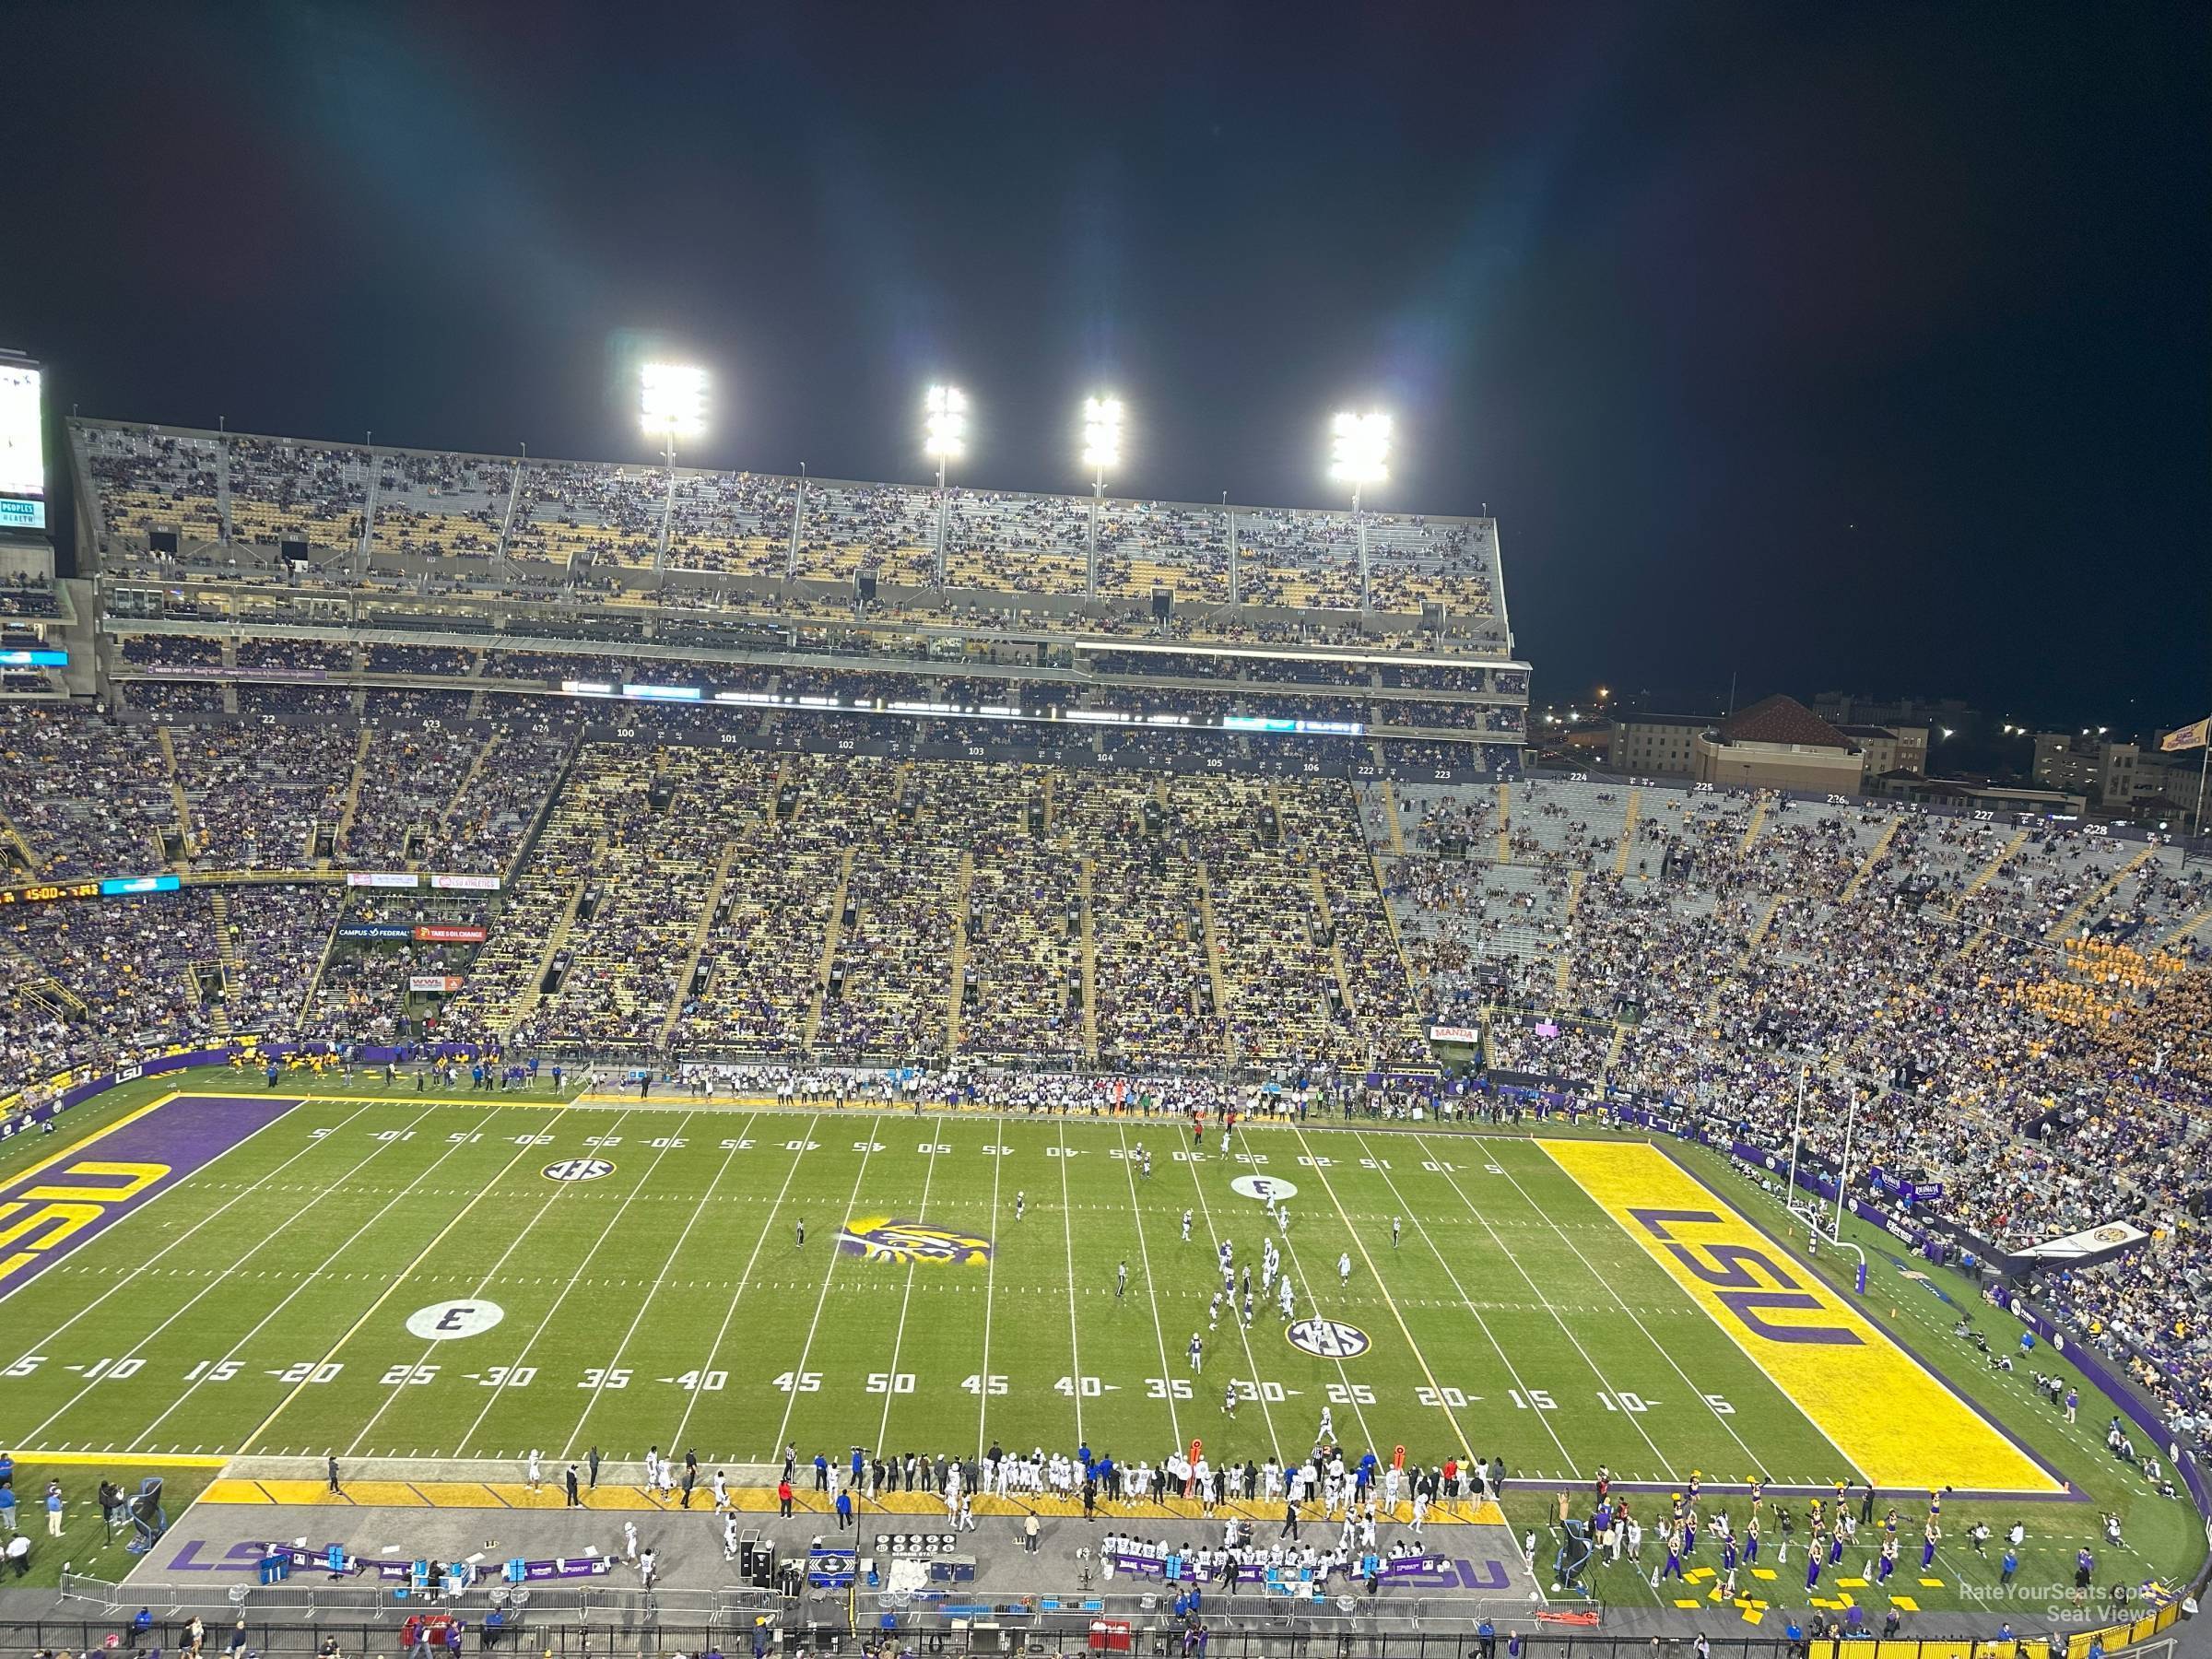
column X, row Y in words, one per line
column 1328, row 1338
column 442, row 1321
column 1265, row 1188
column 578, row 1168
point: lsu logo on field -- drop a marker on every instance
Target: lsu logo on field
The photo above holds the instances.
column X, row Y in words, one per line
column 1896, row 1421
column 1328, row 1338
column 38, row 1222
column 881, row 1238
column 578, row 1168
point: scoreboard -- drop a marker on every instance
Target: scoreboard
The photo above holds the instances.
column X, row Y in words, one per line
column 22, row 443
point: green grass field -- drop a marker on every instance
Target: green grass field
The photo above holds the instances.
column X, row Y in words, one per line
column 287, row 1299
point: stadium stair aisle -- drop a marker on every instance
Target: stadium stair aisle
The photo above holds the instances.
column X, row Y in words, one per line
column 1989, row 873
column 39, row 988
column 468, row 778
column 2181, row 931
column 1627, row 833
column 1505, row 823
column 2066, row 925
column 1321, row 910
column 1214, row 970
column 176, row 787
column 526, row 1000
column 330, row 943
column 1090, row 963
column 350, row 807
column 1873, row 857
column 682, row 986
column 1621, row 1040
column 1390, row 817
column 1563, row 963
column 829, row 938
column 1390, row 920
column 226, row 956
column 1759, row 822
column 8, row 828
column 962, row 898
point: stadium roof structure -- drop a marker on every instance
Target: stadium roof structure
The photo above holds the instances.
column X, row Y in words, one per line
column 1782, row 720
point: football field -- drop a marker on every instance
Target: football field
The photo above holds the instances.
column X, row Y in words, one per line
column 301, row 1274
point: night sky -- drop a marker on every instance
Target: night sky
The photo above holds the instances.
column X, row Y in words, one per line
column 1859, row 345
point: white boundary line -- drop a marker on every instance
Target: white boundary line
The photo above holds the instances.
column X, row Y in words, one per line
column 1596, row 1371
column 189, row 1232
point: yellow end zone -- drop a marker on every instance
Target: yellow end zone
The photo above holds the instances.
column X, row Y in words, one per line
column 1899, row 1423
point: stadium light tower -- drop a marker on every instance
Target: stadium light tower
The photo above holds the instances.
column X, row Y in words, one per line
column 1101, row 449
column 671, row 404
column 1359, row 456
column 944, row 439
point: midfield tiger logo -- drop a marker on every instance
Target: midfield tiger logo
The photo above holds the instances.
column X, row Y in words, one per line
column 881, row 1238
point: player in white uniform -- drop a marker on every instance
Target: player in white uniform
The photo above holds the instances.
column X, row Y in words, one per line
column 1344, row 1268
column 1283, row 1300
column 1197, row 1351
column 1186, row 1227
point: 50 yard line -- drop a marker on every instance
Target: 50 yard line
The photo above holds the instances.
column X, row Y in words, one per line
column 891, row 1393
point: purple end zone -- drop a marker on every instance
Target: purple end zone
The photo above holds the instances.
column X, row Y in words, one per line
column 47, row 1212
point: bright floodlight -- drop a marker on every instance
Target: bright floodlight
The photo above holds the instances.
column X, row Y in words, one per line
column 672, row 399
column 945, row 423
column 1101, row 432
column 1359, row 448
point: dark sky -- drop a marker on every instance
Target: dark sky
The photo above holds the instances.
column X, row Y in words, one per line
column 1837, row 346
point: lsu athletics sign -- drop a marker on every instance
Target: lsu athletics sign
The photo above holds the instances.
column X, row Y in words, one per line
column 1898, row 1423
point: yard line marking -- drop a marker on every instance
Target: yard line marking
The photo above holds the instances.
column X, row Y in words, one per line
column 1490, row 1336
column 1673, row 1364
column 983, row 1403
column 883, row 1429
column 383, row 1296
column 147, row 1265
column 1313, row 1302
column 743, row 1279
column 1358, row 1243
column 1160, row 1332
column 1067, row 1228
column 232, row 1352
column 698, row 1209
column 561, row 1295
column 1596, row 1371
column 1205, row 1211
column 792, row 1399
